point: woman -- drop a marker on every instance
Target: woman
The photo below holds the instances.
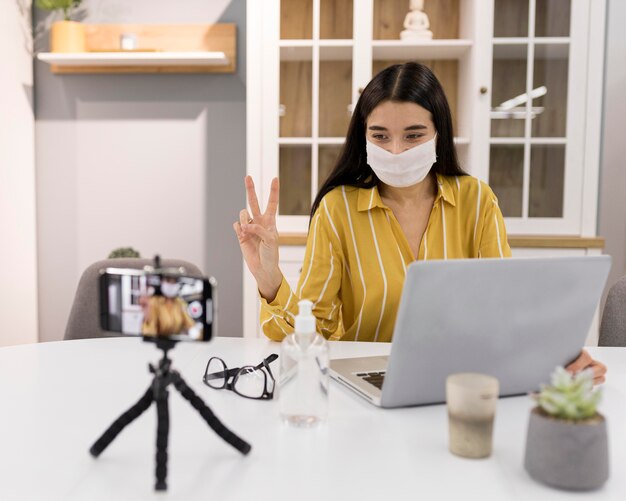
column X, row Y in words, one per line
column 165, row 314
column 397, row 194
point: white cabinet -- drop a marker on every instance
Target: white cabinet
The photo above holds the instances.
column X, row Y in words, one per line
column 523, row 78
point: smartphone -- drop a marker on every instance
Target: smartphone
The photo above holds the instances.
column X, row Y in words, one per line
column 161, row 303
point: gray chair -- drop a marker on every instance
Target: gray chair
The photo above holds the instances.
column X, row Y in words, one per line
column 84, row 319
column 613, row 326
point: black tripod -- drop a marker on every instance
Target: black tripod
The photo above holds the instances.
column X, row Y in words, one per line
column 163, row 376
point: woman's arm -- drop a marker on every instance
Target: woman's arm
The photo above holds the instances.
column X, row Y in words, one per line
column 320, row 282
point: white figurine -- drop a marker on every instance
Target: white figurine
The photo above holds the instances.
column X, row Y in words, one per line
column 416, row 24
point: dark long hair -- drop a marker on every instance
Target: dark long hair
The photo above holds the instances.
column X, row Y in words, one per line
column 408, row 82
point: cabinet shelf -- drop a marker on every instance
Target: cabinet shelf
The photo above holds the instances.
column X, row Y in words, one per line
column 341, row 50
column 304, row 52
column 526, row 40
column 533, row 140
column 520, row 51
column 305, row 141
column 423, row 50
column 322, row 43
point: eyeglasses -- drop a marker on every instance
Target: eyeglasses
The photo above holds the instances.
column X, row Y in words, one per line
column 248, row 381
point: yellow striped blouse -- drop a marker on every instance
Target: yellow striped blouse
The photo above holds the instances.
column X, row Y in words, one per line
column 357, row 254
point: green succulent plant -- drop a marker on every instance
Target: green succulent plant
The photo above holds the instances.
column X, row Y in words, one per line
column 67, row 6
column 124, row 252
column 570, row 397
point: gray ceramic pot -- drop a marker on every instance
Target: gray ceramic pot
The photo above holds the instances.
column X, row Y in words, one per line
column 567, row 455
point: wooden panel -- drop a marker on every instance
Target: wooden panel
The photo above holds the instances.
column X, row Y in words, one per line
column 389, row 15
column 295, row 180
column 296, row 19
column 509, row 80
column 510, row 18
column 158, row 37
column 335, row 95
column 328, row 156
column 556, row 242
column 295, row 96
column 516, row 241
column 553, row 74
column 336, row 19
column 547, row 178
column 446, row 71
column 506, row 176
column 552, row 18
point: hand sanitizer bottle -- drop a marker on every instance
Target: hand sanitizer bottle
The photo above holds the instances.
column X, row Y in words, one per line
column 303, row 386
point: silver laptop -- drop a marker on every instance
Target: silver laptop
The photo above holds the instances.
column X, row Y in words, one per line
column 516, row 319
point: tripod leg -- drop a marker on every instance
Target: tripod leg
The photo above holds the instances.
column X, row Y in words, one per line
column 217, row 426
column 163, row 428
column 121, row 422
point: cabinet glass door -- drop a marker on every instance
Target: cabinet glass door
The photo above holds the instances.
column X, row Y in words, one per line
column 529, row 112
column 316, row 53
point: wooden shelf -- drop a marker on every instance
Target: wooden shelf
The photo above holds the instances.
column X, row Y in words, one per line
column 421, row 50
column 515, row 241
column 187, row 48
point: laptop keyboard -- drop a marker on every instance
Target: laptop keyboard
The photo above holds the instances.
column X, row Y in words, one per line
column 374, row 378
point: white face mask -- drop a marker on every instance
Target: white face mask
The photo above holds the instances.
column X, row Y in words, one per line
column 169, row 289
column 404, row 169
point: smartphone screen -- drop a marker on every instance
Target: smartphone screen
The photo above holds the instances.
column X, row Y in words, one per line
column 168, row 305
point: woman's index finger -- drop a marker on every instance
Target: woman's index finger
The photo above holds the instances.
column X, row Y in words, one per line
column 253, row 201
column 272, row 202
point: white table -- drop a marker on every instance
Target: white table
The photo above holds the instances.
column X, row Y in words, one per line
column 57, row 398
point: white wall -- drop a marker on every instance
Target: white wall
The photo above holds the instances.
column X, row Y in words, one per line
column 18, row 261
column 612, row 196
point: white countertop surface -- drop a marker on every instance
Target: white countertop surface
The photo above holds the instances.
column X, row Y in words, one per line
column 57, row 398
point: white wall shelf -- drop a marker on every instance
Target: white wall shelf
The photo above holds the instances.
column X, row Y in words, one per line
column 134, row 58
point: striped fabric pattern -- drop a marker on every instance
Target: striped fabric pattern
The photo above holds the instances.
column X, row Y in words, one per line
column 357, row 254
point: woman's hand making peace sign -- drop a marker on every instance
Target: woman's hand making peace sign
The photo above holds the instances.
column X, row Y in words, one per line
column 258, row 239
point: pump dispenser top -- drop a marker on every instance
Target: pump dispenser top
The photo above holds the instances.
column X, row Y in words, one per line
column 305, row 321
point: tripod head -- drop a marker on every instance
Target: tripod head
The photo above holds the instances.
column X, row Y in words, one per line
column 163, row 369
column 162, row 343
